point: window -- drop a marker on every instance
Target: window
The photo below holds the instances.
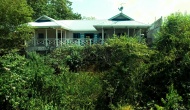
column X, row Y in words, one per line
column 89, row 35
column 41, row 35
column 76, row 35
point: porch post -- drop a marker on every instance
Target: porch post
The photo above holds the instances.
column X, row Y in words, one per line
column 140, row 32
column 128, row 32
column 34, row 38
column 56, row 39
column 46, row 38
column 102, row 35
column 61, row 37
column 134, row 32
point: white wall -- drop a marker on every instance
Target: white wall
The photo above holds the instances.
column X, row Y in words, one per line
column 51, row 33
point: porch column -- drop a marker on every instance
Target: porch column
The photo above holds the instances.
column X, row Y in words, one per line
column 56, row 39
column 102, row 35
column 34, row 38
column 140, row 32
column 46, row 38
column 128, row 32
column 61, row 37
column 134, row 32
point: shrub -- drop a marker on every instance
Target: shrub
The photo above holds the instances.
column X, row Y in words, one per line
column 29, row 83
column 170, row 62
column 70, row 55
column 172, row 101
column 129, row 63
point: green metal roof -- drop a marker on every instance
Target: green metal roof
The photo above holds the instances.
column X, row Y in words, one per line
column 122, row 24
column 86, row 25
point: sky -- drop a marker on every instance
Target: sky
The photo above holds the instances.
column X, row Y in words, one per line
column 146, row 11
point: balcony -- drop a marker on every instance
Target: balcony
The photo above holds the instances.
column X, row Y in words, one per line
column 52, row 43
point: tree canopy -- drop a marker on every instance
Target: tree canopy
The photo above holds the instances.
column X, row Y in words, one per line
column 13, row 15
column 174, row 34
column 57, row 9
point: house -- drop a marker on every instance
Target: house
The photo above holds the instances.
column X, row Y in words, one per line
column 50, row 33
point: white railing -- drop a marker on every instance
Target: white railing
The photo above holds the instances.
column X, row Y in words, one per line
column 40, row 42
column 60, row 42
column 82, row 41
column 51, row 41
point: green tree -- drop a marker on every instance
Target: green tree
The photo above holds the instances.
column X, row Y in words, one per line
column 13, row 30
column 57, row 9
column 126, row 60
column 30, row 83
column 174, row 35
column 170, row 65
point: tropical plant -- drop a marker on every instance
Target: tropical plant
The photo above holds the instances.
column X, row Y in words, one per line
column 122, row 83
column 56, row 9
column 13, row 30
column 172, row 101
column 30, row 83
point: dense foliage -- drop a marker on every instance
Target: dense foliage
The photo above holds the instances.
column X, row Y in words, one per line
column 171, row 63
column 121, row 74
column 13, row 15
column 30, row 83
column 156, row 77
column 57, row 9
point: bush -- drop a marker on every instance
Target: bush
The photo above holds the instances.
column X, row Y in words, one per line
column 172, row 101
column 14, row 88
column 29, row 83
column 170, row 62
column 129, row 63
column 70, row 55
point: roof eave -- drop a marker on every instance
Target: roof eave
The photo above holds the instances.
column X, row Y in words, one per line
column 128, row 26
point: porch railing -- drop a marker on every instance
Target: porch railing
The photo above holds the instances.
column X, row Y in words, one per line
column 68, row 41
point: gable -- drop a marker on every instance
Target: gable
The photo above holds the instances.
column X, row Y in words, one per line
column 121, row 17
column 44, row 19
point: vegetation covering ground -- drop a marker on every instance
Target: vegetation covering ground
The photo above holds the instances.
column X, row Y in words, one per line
column 122, row 74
